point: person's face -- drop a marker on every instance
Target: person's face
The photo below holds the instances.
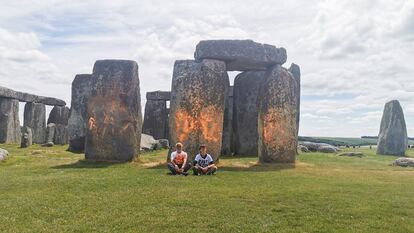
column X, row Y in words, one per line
column 179, row 148
column 203, row 150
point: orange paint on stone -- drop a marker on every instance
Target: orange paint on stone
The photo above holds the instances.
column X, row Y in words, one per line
column 185, row 124
column 278, row 132
column 211, row 124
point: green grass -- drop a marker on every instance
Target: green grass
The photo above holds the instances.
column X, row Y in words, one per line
column 51, row 190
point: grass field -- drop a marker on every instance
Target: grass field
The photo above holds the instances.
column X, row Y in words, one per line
column 51, row 190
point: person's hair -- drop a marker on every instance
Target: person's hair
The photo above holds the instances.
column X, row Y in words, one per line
column 178, row 144
column 201, row 146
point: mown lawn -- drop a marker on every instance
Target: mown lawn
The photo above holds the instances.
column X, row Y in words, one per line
column 51, row 190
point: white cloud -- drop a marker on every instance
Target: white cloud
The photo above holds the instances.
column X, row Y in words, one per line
column 354, row 55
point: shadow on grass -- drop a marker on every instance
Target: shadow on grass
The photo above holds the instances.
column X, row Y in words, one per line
column 86, row 164
column 258, row 167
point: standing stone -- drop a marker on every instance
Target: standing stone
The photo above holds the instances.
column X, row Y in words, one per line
column 9, row 121
column 50, row 132
column 59, row 115
column 114, row 112
column 227, row 141
column 295, row 71
column 61, row 135
column 240, row 55
column 35, row 118
column 26, row 137
column 81, row 91
column 3, row 154
column 155, row 119
column 277, row 117
column 246, row 92
column 392, row 138
column 197, row 105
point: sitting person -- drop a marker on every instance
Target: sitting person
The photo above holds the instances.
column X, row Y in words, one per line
column 178, row 161
column 204, row 163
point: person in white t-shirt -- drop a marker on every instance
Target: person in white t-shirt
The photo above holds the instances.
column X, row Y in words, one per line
column 204, row 163
column 178, row 161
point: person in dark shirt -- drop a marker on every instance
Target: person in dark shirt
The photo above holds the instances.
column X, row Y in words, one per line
column 204, row 163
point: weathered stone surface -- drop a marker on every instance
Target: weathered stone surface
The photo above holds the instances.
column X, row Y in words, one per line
column 327, row 149
column 164, row 143
column 404, row 162
column 392, row 138
column 81, row 91
column 50, row 132
column 61, row 135
column 9, row 121
column 48, row 144
column 155, row 119
column 295, row 71
column 26, row 97
column 314, row 146
column 351, row 154
column 3, row 154
column 158, row 95
column 148, row 142
column 227, row 140
column 59, row 115
column 35, row 118
column 26, row 137
column 303, row 149
column 246, row 111
column 197, row 105
column 241, row 55
column 114, row 112
column 277, row 117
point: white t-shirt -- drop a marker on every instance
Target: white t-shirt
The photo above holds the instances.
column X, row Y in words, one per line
column 203, row 162
column 178, row 158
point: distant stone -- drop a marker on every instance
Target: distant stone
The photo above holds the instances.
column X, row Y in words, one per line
column 9, row 121
column 246, row 111
column 148, row 142
column 26, row 97
column 392, row 138
column 351, row 154
column 158, row 95
column 277, row 117
column 59, row 115
column 314, row 146
column 26, row 137
column 61, row 135
column 303, row 149
column 114, row 115
column 295, row 71
column 227, row 138
column 404, row 162
column 198, row 96
column 35, row 118
column 155, row 119
column 327, row 149
column 164, row 143
column 81, row 91
column 3, row 154
column 48, row 144
column 50, row 132
column 242, row 55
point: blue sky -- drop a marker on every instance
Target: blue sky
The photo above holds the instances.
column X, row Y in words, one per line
column 354, row 55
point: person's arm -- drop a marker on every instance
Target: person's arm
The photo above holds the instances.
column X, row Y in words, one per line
column 211, row 164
